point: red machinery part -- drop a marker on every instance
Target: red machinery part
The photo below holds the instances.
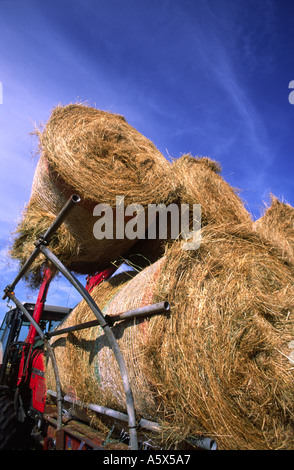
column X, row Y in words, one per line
column 39, row 307
column 37, row 380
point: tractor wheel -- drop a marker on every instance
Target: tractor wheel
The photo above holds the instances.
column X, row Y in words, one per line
column 8, row 422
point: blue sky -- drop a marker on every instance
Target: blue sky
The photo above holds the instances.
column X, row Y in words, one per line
column 207, row 77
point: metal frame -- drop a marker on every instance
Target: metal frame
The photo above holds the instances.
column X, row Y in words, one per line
column 161, row 307
column 104, row 321
column 205, row 443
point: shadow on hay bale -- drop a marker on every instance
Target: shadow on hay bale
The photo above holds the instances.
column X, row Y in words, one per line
column 219, row 364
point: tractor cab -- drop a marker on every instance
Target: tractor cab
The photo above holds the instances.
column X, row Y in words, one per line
column 15, row 329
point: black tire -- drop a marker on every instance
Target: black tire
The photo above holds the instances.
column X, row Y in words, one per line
column 8, row 423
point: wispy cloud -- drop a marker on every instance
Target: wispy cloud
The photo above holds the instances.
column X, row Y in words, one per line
column 223, row 57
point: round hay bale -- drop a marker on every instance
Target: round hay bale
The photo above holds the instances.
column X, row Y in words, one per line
column 277, row 224
column 102, row 156
column 201, row 183
column 99, row 156
column 219, row 365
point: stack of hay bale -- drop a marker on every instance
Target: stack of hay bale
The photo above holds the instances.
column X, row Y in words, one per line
column 219, row 365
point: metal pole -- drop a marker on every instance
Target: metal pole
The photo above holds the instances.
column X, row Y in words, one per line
column 74, row 199
column 50, row 351
column 109, row 335
column 143, row 423
column 162, row 307
column 67, row 208
column 204, row 443
column 81, row 326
